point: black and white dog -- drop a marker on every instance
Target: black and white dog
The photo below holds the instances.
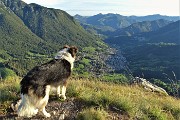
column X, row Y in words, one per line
column 36, row 85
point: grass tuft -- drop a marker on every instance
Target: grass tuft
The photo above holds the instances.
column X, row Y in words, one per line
column 92, row 114
column 9, row 89
column 133, row 101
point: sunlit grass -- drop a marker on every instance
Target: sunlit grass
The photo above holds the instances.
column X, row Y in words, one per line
column 131, row 100
column 92, row 114
column 101, row 97
column 9, row 89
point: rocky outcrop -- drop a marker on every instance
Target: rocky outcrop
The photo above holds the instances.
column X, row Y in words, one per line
column 149, row 86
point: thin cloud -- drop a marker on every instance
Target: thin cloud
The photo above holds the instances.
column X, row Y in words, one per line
column 124, row 7
column 45, row 2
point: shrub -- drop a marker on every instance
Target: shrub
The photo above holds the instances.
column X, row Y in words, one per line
column 5, row 73
column 116, row 78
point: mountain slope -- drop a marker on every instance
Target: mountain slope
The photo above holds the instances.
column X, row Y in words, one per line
column 39, row 32
column 12, row 28
column 104, row 23
column 52, row 25
column 17, row 42
column 169, row 34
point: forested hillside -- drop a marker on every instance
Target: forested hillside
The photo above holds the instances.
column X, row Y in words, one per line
column 31, row 34
column 17, row 42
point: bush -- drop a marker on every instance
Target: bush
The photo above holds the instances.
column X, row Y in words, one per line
column 5, row 73
column 116, row 78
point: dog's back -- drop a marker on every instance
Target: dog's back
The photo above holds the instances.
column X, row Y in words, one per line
column 52, row 73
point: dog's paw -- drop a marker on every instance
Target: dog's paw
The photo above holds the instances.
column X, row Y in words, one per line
column 59, row 95
column 35, row 111
column 47, row 115
column 62, row 97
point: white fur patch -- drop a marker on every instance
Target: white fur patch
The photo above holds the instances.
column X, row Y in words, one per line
column 30, row 105
column 64, row 54
column 64, row 92
column 26, row 108
column 58, row 90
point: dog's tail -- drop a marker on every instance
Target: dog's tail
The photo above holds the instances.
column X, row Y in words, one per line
column 26, row 107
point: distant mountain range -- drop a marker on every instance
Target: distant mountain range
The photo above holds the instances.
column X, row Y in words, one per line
column 115, row 26
column 154, row 17
column 169, row 33
column 140, row 27
column 104, row 23
column 148, row 45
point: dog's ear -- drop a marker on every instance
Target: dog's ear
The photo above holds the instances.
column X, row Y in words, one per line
column 73, row 50
column 66, row 46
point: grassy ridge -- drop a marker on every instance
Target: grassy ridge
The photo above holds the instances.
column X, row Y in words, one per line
column 131, row 101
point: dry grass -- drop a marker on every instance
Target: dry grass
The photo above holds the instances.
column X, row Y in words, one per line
column 132, row 101
column 92, row 114
column 9, row 89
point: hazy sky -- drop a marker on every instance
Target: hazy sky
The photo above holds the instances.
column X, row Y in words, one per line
column 123, row 7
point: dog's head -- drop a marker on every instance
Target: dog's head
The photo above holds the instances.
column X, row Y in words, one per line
column 72, row 50
column 67, row 52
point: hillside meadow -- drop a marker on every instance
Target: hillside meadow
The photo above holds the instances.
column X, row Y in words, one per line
column 100, row 99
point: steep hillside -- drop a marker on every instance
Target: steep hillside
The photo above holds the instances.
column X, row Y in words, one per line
column 35, row 33
column 17, row 42
column 12, row 29
column 140, row 27
column 168, row 34
column 52, row 25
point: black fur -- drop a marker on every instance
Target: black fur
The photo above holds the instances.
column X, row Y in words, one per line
column 52, row 73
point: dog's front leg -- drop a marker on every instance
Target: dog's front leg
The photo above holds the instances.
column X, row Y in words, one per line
column 46, row 114
column 58, row 91
column 64, row 92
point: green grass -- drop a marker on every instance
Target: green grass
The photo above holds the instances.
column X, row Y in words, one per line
column 9, row 89
column 92, row 114
column 116, row 78
column 133, row 101
column 101, row 98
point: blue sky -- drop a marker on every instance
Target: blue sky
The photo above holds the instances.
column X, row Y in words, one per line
column 123, row 7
